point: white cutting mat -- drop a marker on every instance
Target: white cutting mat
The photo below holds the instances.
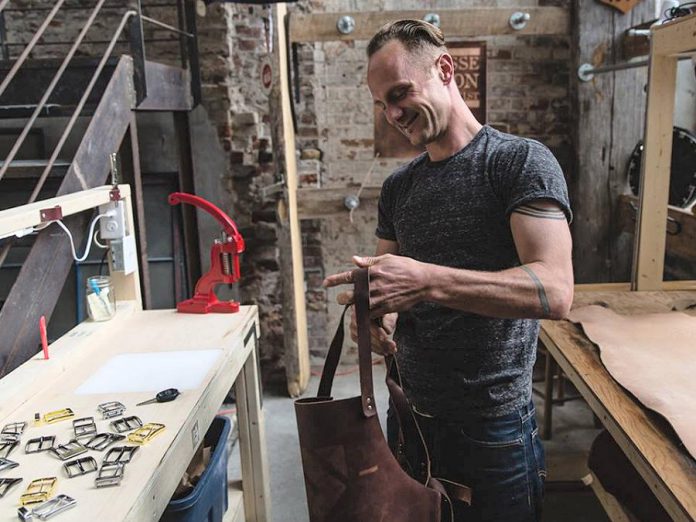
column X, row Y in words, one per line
column 151, row 372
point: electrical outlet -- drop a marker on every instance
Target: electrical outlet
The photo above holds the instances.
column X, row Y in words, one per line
column 124, row 256
column 113, row 227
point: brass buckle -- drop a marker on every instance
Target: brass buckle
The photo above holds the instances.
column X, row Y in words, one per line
column 146, row 433
column 39, row 490
column 58, row 415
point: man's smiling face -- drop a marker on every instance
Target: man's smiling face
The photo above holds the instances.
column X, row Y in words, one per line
column 408, row 88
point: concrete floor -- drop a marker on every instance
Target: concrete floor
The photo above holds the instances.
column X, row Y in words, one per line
column 566, row 499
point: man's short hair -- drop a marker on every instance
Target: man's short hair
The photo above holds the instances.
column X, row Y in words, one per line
column 415, row 35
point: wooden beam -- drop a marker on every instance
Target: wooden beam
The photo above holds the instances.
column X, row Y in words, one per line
column 681, row 227
column 675, row 37
column 327, row 202
column 42, row 276
column 297, row 345
column 472, row 22
column 649, row 246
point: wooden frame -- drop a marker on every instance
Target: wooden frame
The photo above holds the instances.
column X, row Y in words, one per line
column 470, row 22
column 668, row 41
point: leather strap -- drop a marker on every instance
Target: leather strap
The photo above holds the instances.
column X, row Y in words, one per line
column 361, row 293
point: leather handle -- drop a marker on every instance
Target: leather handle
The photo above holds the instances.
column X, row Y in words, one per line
column 361, row 294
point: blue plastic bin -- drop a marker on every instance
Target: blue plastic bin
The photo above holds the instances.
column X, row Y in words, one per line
column 208, row 500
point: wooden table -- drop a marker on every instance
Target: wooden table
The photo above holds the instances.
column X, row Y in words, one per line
column 655, row 452
column 152, row 476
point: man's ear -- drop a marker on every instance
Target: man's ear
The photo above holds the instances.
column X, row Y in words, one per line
column 445, row 67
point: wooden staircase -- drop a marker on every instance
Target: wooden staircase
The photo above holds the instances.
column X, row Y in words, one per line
column 125, row 84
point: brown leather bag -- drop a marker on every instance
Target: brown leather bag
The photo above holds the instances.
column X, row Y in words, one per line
column 350, row 472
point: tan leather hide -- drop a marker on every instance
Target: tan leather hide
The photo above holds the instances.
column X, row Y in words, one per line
column 653, row 356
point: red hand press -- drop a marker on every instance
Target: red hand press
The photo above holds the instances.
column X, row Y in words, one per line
column 224, row 261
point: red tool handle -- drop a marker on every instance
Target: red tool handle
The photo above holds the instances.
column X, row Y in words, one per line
column 227, row 224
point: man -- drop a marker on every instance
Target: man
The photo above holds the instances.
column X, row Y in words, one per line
column 473, row 248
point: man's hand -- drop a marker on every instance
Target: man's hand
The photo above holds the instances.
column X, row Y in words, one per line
column 396, row 283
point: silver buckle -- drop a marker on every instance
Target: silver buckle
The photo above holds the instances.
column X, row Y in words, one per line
column 120, row 455
column 6, row 447
column 68, row 450
column 7, row 464
column 84, row 427
column 111, row 409
column 38, row 444
column 126, row 424
column 109, row 475
column 24, row 513
column 82, row 466
column 6, row 484
column 54, row 506
column 102, row 441
column 12, row 431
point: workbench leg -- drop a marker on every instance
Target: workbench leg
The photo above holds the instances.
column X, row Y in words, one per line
column 252, row 442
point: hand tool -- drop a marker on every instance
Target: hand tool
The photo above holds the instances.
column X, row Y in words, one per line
column 224, row 261
column 164, row 396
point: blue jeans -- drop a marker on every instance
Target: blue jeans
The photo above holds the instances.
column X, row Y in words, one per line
column 501, row 459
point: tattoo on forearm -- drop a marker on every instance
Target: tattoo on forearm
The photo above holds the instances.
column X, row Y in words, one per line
column 544, row 213
column 545, row 308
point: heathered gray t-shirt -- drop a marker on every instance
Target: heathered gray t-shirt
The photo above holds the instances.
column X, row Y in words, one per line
column 455, row 213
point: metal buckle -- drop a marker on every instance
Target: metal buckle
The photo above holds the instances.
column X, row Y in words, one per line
column 102, row 441
column 84, row 427
column 146, row 433
column 7, row 464
column 58, row 415
column 109, row 475
column 38, row 444
column 68, row 450
column 6, row 447
column 120, row 455
column 111, row 409
column 126, row 424
column 12, row 431
column 39, row 490
column 82, row 466
column 6, row 484
column 24, row 514
column 54, row 506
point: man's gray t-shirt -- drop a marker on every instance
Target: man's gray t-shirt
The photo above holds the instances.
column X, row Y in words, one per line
column 456, row 213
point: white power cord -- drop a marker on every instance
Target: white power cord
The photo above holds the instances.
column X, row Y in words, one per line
column 90, row 235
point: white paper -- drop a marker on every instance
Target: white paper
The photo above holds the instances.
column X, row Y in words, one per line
column 151, row 372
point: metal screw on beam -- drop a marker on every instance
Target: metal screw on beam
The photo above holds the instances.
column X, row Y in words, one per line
column 518, row 20
column 432, row 18
column 585, row 72
column 351, row 202
column 345, row 24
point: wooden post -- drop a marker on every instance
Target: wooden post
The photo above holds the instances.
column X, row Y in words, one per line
column 296, row 346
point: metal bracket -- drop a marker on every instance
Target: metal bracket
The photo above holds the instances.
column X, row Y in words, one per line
column 69, row 450
column 109, row 475
column 51, row 214
column 345, row 24
column 127, row 424
column 111, row 409
column 82, row 466
column 84, row 427
column 518, row 20
column 120, row 455
column 39, row 444
column 54, row 506
column 101, row 441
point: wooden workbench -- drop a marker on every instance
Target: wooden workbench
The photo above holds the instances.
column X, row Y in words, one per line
column 152, row 476
column 647, row 441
